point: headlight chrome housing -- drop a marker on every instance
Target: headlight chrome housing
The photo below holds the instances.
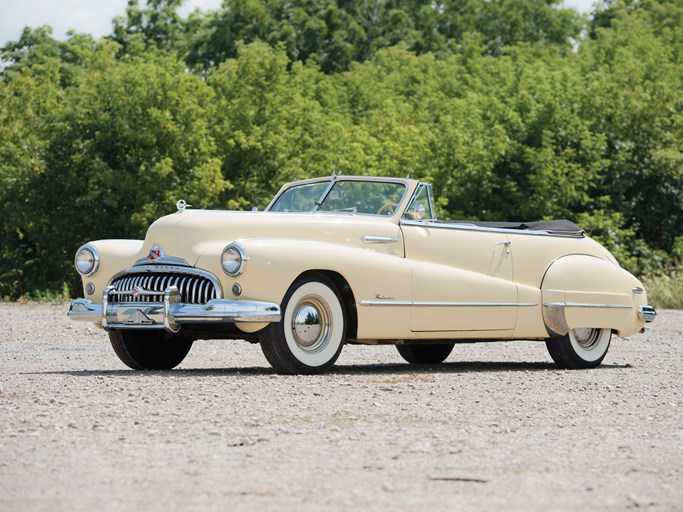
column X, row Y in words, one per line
column 87, row 260
column 234, row 259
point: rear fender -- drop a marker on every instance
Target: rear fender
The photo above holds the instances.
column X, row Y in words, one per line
column 586, row 291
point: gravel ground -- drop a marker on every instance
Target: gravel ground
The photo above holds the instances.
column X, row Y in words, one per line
column 495, row 427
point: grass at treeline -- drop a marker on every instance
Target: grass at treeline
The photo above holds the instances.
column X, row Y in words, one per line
column 666, row 291
column 663, row 291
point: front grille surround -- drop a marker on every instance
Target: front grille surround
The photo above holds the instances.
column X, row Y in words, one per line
column 195, row 286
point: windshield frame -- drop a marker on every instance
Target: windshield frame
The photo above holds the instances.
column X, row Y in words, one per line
column 408, row 184
column 430, row 207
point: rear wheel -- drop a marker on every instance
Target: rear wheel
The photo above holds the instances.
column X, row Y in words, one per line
column 580, row 348
column 149, row 350
column 425, row 354
column 311, row 334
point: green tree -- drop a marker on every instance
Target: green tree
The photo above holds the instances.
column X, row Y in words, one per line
column 158, row 26
column 111, row 150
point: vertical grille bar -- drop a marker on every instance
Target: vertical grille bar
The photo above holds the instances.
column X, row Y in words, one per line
column 193, row 294
column 194, row 289
column 202, row 293
column 181, row 288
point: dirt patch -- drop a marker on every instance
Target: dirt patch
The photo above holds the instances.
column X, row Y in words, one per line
column 495, row 427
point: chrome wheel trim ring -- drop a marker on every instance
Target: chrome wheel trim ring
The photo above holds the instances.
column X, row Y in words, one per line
column 311, row 324
column 587, row 338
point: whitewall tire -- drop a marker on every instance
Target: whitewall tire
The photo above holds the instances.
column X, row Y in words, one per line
column 310, row 336
column 580, row 348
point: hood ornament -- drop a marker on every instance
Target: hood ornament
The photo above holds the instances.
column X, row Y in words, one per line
column 181, row 205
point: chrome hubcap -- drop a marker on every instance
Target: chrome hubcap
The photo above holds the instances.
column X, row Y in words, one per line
column 587, row 338
column 311, row 324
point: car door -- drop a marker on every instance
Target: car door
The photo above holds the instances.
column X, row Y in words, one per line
column 461, row 278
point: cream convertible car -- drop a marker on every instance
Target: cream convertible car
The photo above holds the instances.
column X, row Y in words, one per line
column 354, row 260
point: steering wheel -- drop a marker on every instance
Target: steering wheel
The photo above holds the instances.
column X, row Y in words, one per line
column 390, row 208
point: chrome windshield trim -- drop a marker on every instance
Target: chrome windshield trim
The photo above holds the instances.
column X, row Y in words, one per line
column 430, row 199
column 421, row 185
column 321, row 199
column 294, row 184
column 338, row 179
column 584, row 305
column 406, row 182
column 437, row 304
column 472, row 227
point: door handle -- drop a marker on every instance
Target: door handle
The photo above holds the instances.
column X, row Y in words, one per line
column 374, row 239
column 506, row 244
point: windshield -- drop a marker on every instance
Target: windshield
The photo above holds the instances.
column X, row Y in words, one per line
column 302, row 198
column 365, row 197
column 361, row 197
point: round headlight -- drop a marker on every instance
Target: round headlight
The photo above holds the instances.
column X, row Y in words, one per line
column 234, row 259
column 87, row 260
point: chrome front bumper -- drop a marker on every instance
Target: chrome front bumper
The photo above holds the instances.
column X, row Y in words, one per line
column 171, row 313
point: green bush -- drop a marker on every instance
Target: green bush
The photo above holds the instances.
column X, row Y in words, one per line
column 496, row 107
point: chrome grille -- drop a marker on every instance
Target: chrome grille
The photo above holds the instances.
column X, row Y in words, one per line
column 194, row 289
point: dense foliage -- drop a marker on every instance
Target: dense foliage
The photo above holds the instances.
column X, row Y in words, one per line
column 514, row 109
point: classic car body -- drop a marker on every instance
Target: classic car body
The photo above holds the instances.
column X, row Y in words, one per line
column 357, row 260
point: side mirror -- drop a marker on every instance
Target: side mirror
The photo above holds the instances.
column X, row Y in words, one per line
column 254, row 209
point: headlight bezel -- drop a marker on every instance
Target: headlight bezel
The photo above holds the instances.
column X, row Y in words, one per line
column 95, row 256
column 239, row 255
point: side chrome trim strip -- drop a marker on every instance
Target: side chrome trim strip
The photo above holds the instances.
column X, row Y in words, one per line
column 584, row 305
column 394, row 303
column 374, row 239
column 435, row 304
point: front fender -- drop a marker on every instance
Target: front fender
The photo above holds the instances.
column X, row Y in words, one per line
column 115, row 256
column 586, row 291
column 275, row 263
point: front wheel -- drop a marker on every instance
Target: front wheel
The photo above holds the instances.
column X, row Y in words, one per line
column 148, row 349
column 311, row 334
column 580, row 348
column 425, row 354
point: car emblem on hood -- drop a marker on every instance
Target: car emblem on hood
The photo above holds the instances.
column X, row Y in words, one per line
column 156, row 252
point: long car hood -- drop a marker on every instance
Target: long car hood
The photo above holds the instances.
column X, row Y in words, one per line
column 190, row 234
